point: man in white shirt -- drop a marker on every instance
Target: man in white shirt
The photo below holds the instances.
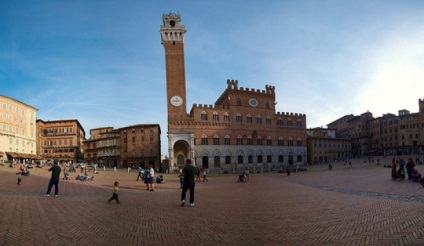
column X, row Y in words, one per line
column 152, row 178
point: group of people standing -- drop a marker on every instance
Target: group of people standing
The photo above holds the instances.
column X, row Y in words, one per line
column 408, row 168
column 188, row 173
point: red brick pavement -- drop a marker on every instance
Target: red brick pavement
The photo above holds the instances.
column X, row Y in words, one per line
column 344, row 206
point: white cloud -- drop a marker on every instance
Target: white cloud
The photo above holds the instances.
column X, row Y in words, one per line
column 395, row 75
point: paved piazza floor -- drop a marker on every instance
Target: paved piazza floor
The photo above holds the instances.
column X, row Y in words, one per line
column 355, row 205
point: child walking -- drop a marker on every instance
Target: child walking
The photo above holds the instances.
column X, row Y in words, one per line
column 115, row 193
column 19, row 176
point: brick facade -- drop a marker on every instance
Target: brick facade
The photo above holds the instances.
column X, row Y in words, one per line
column 60, row 140
column 240, row 129
column 389, row 134
column 129, row 146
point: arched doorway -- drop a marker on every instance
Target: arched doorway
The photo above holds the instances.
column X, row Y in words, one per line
column 181, row 153
column 180, row 159
column 290, row 159
column 205, row 162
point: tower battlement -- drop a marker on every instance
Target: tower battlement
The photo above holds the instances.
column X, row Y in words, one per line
column 290, row 114
column 233, row 85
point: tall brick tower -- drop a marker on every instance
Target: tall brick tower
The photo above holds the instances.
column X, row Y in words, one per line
column 180, row 140
column 173, row 33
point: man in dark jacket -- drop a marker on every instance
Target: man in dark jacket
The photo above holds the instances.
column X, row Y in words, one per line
column 54, row 180
column 189, row 171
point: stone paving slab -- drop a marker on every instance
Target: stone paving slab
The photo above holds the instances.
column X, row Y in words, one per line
column 316, row 207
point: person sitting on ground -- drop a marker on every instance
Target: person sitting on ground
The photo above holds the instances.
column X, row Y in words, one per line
column 80, row 177
column 416, row 176
column 66, row 175
column 242, row 178
column 160, row 180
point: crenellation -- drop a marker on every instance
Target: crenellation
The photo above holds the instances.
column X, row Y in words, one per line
column 219, row 120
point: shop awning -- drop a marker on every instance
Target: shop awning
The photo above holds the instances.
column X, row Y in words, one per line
column 23, row 156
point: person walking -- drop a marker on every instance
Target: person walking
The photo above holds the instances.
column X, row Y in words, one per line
column 19, row 173
column 188, row 172
column 54, row 180
column 140, row 170
column 115, row 193
column 204, row 175
column 198, row 174
column 246, row 173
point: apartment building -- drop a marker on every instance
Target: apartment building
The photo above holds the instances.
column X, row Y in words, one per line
column 389, row 134
column 323, row 146
column 129, row 146
column 60, row 140
column 17, row 131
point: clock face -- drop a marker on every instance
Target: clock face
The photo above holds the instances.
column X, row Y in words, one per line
column 253, row 102
column 176, row 101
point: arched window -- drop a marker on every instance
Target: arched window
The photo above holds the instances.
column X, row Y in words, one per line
column 268, row 159
column 215, row 116
column 289, row 122
column 250, row 159
column 260, row 159
column 279, row 122
column 290, row 142
column 298, row 122
column 203, row 116
column 226, row 117
column 280, row 141
column 238, row 102
column 227, row 140
column 240, row 159
column 238, row 119
column 249, row 140
column 267, row 105
column 268, row 121
column 299, row 142
column 204, row 139
column 227, row 159
column 216, row 139
column 268, row 141
column 249, row 119
column 281, row 159
column 259, row 140
column 259, row 120
column 239, row 140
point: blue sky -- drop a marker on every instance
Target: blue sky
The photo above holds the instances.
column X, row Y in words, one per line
column 102, row 62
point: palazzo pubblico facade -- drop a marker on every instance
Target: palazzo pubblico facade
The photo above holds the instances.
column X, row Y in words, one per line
column 241, row 129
